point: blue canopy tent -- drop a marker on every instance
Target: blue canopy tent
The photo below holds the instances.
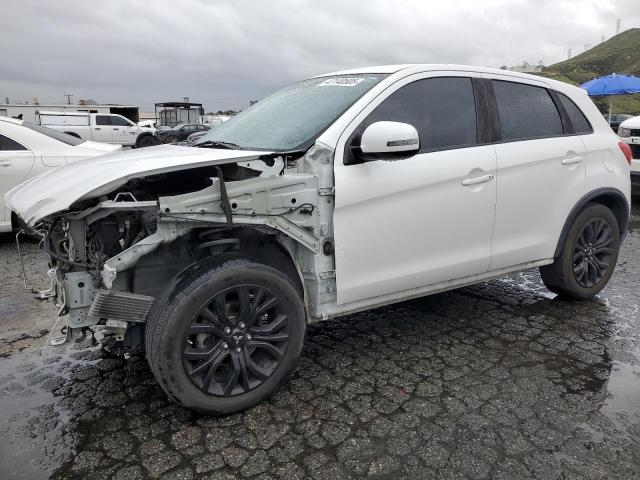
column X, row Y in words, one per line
column 610, row 85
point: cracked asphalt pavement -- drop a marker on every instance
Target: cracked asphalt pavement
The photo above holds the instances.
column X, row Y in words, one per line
column 499, row 380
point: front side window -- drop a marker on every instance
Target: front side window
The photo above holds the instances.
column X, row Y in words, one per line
column 441, row 109
column 119, row 122
column 103, row 120
column 580, row 123
column 292, row 118
column 7, row 144
column 526, row 111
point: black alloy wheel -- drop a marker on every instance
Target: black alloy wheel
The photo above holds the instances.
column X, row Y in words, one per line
column 226, row 334
column 236, row 340
column 593, row 252
column 588, row 255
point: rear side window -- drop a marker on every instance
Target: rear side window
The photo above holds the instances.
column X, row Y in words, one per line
column 578, row 120
column 7, row 144
column 526, row 111
column 103, row 120
column 441, row 109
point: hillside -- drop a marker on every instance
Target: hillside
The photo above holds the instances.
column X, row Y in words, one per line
column 619, row 54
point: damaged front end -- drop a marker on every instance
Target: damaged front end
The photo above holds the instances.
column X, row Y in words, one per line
column 112, row 252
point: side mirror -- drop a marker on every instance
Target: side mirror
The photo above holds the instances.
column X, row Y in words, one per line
column 389, row 137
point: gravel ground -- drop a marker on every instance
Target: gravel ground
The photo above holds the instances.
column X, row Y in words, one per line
column 499, row 380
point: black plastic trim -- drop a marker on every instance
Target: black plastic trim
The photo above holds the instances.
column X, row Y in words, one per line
column 598, row 192
column 567, row 125
column 492, row 110
column 635, row 183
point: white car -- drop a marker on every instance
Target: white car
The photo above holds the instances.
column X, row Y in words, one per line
column 338, row 194
column 99, row 127
column 27, row 149
column 629, row 133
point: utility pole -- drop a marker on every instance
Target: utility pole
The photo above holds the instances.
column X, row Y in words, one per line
column 68, row 95
column 569, row 54
column 618, row 26
column 602, row 41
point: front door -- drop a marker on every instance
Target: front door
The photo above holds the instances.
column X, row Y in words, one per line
column 16, row 162
column 124, row 131
column 402, row 224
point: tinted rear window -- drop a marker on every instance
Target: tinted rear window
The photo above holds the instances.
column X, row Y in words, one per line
column 103, row 120
column 526, row 111
column 578, row 120
column 7, row 144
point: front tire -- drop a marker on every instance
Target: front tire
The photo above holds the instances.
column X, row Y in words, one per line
column 588, row 257
column 146, row 141
column 225, row 337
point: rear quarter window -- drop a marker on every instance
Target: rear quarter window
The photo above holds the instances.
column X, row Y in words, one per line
column 578, row 119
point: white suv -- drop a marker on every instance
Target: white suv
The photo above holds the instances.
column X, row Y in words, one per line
column 629, row 132
column 338, row 194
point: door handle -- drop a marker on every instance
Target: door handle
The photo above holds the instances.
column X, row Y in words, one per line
column 98, row 128
column 116, row 129
column 571, row 161
column 476, row 180
column 6, row 163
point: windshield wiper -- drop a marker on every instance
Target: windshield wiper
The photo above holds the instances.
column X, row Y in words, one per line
column 218, row 144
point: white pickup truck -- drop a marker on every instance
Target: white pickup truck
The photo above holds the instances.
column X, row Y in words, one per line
column 99, row 127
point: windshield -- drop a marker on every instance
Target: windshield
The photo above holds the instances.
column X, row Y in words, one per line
column 50, row 132
column 292, row 118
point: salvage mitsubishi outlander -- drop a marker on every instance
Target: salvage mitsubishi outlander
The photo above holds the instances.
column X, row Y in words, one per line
column 338, row 194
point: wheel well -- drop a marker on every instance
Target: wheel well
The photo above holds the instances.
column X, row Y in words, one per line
column 207, row 247
column 611, row 198
column 143, row 135
column 618, row 206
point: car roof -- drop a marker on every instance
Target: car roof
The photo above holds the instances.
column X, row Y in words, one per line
column 412, row 68
column 426, row 67
column 17, row 121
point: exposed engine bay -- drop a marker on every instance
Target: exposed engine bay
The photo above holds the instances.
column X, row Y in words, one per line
column 112, row 255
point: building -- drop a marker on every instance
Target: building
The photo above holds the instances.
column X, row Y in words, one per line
column 171, row 113
column 526, row 67
column 29, row 111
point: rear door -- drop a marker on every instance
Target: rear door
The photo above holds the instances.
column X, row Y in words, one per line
column 16, row 162
column 102, row 130
column 541, row 171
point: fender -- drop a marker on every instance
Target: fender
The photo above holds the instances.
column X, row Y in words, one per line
column 610, row 197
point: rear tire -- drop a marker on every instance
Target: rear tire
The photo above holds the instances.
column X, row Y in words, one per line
column 226, row 336
column 588, row 257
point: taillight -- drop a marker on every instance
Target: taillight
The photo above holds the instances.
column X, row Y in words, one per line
column 626, row 150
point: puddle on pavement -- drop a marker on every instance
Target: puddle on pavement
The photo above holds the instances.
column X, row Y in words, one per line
column 32, row 425
column 622, row 404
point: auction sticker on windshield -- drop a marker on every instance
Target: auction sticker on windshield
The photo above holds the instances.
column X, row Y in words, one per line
column 341, row 82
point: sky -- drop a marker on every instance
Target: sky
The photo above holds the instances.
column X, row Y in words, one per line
column 224, row 53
